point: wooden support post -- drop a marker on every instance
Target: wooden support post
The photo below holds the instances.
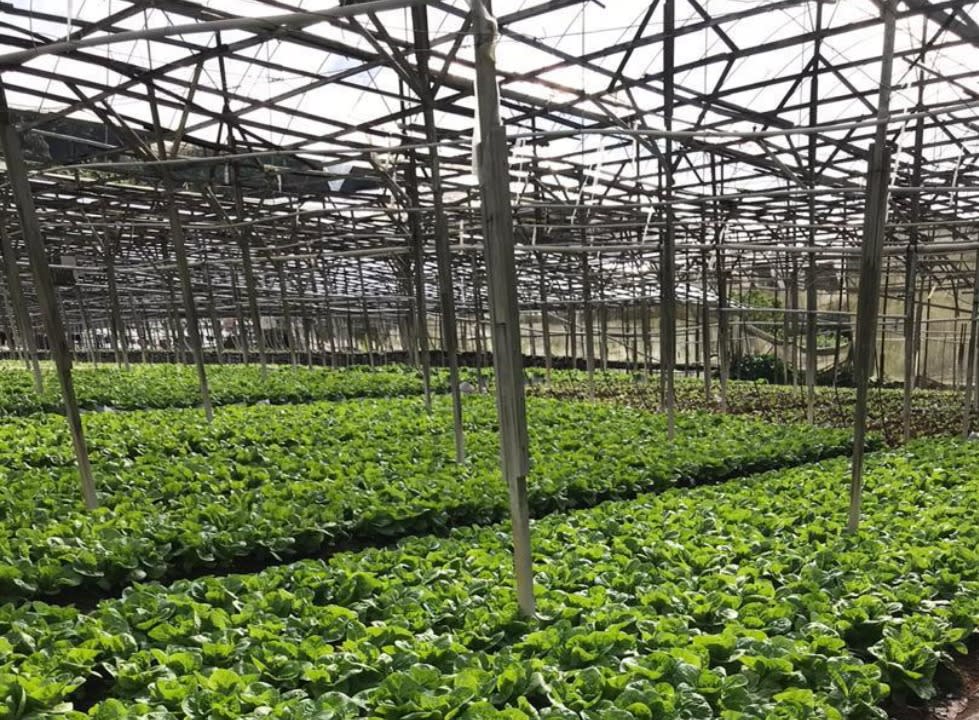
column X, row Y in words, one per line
column 644, row 328
column 183, row 267
column 968, row 372
column 328, row 314
column 365, row 315
column 589, row 324
column 875, row 217
column 242, row 325
column 921, row 329
column 305, row 319
column 286, row 313
column 882, row 355
column 705, row 326
column 93, row 355
column 723, row 331
column 668, row 252
column 572, row 331
column 418, row 256
column 811, row 296
column 443, row 258
column 21, row 316
column 212, row 308
column 176, row 329
column 141, row 334
column 498, row 238
column 120, row 342
column 478, row 317
column 251, row 292
column 44, row 287
column 910, row 281
column 9, row 323
column 544, row 315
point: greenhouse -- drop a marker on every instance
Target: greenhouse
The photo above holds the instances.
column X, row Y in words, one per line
column 489, row 359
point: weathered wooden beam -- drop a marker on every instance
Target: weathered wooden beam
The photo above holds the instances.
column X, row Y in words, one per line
column 22, row 318
column 443, row 258
column 812, row 315
column 183, row 268
column 494, row 185
column 667, row 288
column 875, row 218
column 418, row 276
column 44, row 287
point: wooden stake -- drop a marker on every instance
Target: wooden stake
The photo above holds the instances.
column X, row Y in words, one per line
column 418, row 250
column 183, row 268
column 44, row 286
column 498, row 239
column 875, row 217
column 21, row 316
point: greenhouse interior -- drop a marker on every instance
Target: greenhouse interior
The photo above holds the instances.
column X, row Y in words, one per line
column 489, row 359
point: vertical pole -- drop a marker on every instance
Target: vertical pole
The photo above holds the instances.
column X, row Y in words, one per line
column 589, row 324
column 87, row 326
column 643, row 328
column 304, row 317
column 723, row 336
column 140, row 327
column 286, row 314
column 248, row 270
column 478, row 309
column 971, row 353
column 667, row 271
column 418, row 257
column 24, row 199
column 183, row 267
column 921, row 329
column 21, row 317
column 365, row 314
column 498, row 238
column 875, row 217
column 175, row 326
column 602, row 318
column 120, row 342
column 811, row 296
column 211, row 308
column 910, row 280
column 240, row 312
column 573, row 330
column 545, row 322
column 443, row 259
column 705, row 325
column 328, row 315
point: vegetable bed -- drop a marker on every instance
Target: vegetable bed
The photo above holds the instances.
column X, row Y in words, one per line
column 933, row 412
column 266, row 482
column 162, row 386
column 737, row 601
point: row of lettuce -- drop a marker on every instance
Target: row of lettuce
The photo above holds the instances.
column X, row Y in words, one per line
column 933, row 412
column 180, row 496
column 743, row 600
column 164, row 386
